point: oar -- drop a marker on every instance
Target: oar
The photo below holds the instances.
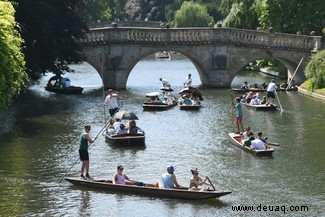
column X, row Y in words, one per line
column 273, row 143
column 210, row 183
column 78, row 157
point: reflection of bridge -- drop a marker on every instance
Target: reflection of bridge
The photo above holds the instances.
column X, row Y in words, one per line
column 217, row 53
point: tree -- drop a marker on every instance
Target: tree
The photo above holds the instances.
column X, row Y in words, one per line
column 50, row 30
column 12, row 64
column 192, row 15
column 315, row 71
column 96, row 10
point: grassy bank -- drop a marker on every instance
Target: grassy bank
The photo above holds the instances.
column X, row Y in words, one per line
column 305, row 85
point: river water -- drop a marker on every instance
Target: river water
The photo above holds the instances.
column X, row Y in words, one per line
column 40, row 138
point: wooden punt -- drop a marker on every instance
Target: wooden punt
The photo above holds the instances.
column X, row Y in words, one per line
column 261, row 90
column 152, row 106
column 65, row 90
column 147, row 189
column 263, row 107
column 238, row 141
column 133, row 139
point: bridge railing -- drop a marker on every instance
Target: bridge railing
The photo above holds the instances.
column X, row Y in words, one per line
column 241, row 37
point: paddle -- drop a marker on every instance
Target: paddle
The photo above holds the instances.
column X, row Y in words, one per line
column 210, row 183
column 78, row 157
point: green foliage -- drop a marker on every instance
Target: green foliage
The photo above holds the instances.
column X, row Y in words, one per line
column 50, row 30
column 96, row 10
column 192, row 15
column 315, row 71
column 12, row 64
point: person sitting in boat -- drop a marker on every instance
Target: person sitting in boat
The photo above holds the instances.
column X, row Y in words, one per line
column 117, row 124
column 284, row 84
column 196, row 181
column 255, row 100
column 255, row 86
column 249, row 97
column 247, row 133
column 168, row 180
column 245, row 86
column 263, row 101
column 257, row 144
column 264, row 86
column 248, row 142
column 187, row 100
column 122, row 179
column 133, row 128
column 155, row 99
column 122, row 130
column 260, row 137
column 54, row 81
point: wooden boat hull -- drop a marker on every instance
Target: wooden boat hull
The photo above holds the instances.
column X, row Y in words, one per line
column 261, row 90
column 148, row 189
column 236, row 140
column 127, row 139
column 157, row 106
column 66, row 90
column 263, row 107
column 189, row 107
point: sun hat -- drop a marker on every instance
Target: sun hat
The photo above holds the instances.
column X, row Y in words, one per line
column 171, row 167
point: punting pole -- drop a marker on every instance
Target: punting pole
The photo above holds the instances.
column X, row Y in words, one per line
column 278, row 100
column 102, row 73
column 294, row 74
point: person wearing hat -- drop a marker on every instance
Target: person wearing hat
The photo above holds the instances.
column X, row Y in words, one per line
column 111, row 102
column 122, row 179
column 168, row 180
column 271, row 88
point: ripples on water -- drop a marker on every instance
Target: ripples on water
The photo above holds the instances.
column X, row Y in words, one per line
column 41, row 144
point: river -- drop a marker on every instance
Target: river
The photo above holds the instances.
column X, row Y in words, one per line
column 40, row 138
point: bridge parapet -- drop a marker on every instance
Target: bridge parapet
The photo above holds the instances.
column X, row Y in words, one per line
column 249, row 38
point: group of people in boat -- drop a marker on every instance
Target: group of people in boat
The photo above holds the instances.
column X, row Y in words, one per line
column 168, row 180
column 118, row 128
column 58, row 81
column 264, row 86
column 257, row 143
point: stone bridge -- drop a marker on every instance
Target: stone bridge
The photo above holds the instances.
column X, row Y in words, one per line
column 217, row 53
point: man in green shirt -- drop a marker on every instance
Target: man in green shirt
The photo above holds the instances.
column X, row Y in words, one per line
column 83, row 151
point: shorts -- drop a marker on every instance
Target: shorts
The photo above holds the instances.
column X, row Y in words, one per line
column 83, row 154
column 270, row 95
column 113, row 111
column 239, row 120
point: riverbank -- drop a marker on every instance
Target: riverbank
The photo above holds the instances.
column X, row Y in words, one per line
column 318, row 93
column 312, row 94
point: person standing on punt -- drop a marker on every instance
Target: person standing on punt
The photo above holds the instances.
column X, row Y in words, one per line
column 165, row 83
column 111, row 102
column 271, row 88
column 188, row 81
column 239, row 116
column 83, row 151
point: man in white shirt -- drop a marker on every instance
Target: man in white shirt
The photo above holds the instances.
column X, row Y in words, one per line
column 188, row 81
column 111, row 102
column 271, row 88
column 258, row 145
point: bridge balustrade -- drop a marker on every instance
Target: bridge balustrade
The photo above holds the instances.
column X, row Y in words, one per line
column 249, row 38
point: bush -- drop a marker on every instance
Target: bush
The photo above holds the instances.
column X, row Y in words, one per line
column 315, row 71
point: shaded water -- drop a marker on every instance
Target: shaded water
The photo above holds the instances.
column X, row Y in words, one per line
column 39, row 143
